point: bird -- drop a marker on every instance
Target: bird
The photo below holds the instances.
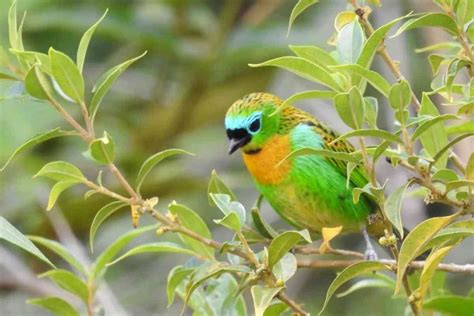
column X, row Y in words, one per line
column 307, row 191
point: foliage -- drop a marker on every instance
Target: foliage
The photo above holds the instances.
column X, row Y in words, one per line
column 213, row 279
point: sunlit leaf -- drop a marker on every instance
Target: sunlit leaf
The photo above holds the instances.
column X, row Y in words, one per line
column 282, row 243
column 393, row 207
column 376, row 280
column 106, row 211
column 384, row 135
column 349, row 42
column 175, row 277
column 56, row 191
column 61, row 171
column 351, row 107
column 102, row 149
column 443, row 151
column 69, row 282
column 451, row 304
column 286, row 267
column 431, row 123
column 312, row 94
column 262, row 297
column 216, row 185
column 400, row 95
column 299, row 8
column 314, row 54
column 67, row 75
column 57, row 306
column 374, row 78
column 431, row 20
column 84, row 43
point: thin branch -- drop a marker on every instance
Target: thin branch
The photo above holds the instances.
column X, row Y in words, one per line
column 305, row 250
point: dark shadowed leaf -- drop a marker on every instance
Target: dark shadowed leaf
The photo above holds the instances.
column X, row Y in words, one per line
column 349, row 42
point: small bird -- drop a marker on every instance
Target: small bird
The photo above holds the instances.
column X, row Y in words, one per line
column 308, row 191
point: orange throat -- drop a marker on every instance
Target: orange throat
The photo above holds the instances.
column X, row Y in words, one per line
column 262, row 165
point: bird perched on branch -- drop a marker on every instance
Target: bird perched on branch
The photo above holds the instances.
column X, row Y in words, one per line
column 308, row 191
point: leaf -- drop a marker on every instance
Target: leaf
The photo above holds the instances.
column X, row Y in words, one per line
column 99, row 266
column 155, row 159
column 322, row 152
column 459, row 184
column 105, row 82
column 56, row 191
column 445, row 175
column 466, row 109
column 35, row 86
column 349, row 42
column 101, row 216
column 67, row 75
column 69, row 282
column 470, row 168
column 12, row 26
column 189, row 219
column 453, row 142
column 344, row 18
column 374, row 78
column 304, row 69
column 451, row 304
column 351, row 107
column 297, row 10
column 102, row 149
column 84, row 43
column 465, row 127
column 377, row 281
column 312, row 94
column 9, row 233
column 352, row 271
column 432, row 20
column 262, row 297
column 261, row 226
column 175, row 277
column 282, row 243
column 163, row 246
column 393, row 207
column 371, row 111
column 31, row 57
column 379, row 133
column 436, row 137
column 416, row 240
column 314, row 54
column 60, row 250
column 429, row 269
column 328, row 234
column 224, row 203
column 373, row 42
column 57, row 306
column 61, row 171
column 400, row 95
column 276, row 309
column 216, row 185
column 430, row 123
column 35, row 140
column 286, row 267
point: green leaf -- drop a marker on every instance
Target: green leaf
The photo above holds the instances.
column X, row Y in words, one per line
column 216, row 185
column 466, row 109
column 470, row 168
column 102, row 149
column 445, row 175
column 379, row 133
column 416, row 240
column 60, row 250
column 262, row 297
column 61, row 171
column 393, row 207
column 224, row 203
column 321, row 152
column 155, row 159
column 84, row 43
column 277, row 308
column 351, row 108
column 376, row 281
column 163, row 246
column 189, row 219
column 106, row 256
column 304, row 69
column 435, row 61
column 431, row 20
column 69, row 282
column 465, row 127
column 261, row 226
column 36, row 86
column 451, row 304
column 298, row 9
column 459, row 184
column 105, row 82
column 312, row 94
column 56, row 191
column 453, row 142
column 374, row 78
column 373, row 42
column 31, row 57
column 57, row 306
column 352, row 271
column 231, row 221
column 371, row 111
column 286, row 267
column 106, row 211
column 400, row 95
column 9, row 233
column 314, row 54
column 12, row 26
column 67, row 75
column 349, row 42
column 35, row 140
column 430, row 123
column 429, row 269
column 282, row 243
column 175, row 277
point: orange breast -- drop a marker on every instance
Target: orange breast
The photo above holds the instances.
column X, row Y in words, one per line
column 263, row 165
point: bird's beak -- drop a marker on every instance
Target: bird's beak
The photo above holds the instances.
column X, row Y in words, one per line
column 235, row 144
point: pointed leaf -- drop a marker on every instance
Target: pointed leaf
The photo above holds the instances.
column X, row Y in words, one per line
column 314, row 54
column 216, row 185
column 9, row 233
column 262, row 297
column 431, row 123
column 379, row 133
column 106, row 211
column 312, row 94
column 351, row 107
column 36, row 86
column 470, row 168
column 323, row 153
column 57, row 306
column 61, row 171
column 349, row 42
column 56, row 191
column 175, row 277
column 155, row 159
column 451, row 304
column 69, row 282
column 374, row 78
column 224, row 203
column 431, row 20
column 282, row 243
column 400, row 95
column 377, row 281
column 439, row 155
column 102, row 149
column 286, row 267
column 67, row 75
column 393, row 208
column 300, row 6
column 84, row 43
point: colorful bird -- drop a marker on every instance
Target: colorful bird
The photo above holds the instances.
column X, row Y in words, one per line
column 308, row 191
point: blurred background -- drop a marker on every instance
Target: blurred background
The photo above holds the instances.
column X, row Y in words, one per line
column 176, row 96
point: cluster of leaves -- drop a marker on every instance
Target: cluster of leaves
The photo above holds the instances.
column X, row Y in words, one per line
column 212, row 281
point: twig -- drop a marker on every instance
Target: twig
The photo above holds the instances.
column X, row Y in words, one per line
column 305, row 250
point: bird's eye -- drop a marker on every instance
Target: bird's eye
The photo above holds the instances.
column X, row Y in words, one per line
column 254, row 126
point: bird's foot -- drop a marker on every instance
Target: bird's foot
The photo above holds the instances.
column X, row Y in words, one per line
column 370, row 254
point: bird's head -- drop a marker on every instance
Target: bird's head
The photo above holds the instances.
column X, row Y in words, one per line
column 249, row 123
